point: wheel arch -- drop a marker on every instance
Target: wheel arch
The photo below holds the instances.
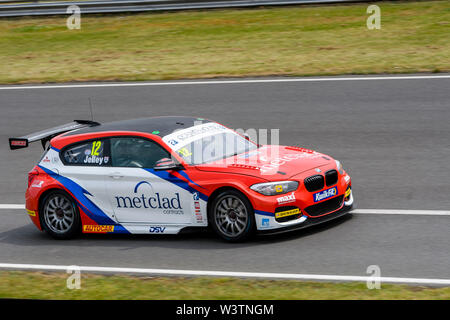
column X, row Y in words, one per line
column 46, row 192
column 248, row 230
column 219, row 190
column 40, row 204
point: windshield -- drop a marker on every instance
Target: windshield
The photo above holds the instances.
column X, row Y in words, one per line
column 207, row 143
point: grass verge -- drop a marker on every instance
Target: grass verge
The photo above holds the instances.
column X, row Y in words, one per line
column 318, row 40
column 38, row 285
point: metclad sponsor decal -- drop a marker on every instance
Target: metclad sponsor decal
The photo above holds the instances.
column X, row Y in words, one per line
column 150, row 200
column 97, row 228
column 325, row 194
column 286, row 199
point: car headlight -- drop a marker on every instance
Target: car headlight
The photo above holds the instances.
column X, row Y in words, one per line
column 274, row 188
column 339, row 167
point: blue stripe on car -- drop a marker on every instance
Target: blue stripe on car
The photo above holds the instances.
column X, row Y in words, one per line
column 184, row 174
column 264, row 213
column 177, row 181
column 91, row 209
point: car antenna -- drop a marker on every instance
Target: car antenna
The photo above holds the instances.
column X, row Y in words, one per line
column 90, row 106
column 89, row 122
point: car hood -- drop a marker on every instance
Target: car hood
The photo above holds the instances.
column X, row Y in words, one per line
column 270, row 162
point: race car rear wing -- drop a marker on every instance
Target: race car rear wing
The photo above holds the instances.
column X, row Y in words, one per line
column 46, row 135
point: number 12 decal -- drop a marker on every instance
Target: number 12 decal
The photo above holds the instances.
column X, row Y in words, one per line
column 95, row 146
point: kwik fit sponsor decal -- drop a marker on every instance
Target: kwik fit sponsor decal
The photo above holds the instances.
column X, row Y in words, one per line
column 149, row 199
column 325, row 194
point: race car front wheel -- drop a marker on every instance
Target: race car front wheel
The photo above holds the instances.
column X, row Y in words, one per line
column 231, row 216
column 60, row 216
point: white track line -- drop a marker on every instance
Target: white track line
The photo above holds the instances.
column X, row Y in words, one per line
column 234, row 81
column 12, row 206
column 267, row 275
column 406, row 212
column 354, row 211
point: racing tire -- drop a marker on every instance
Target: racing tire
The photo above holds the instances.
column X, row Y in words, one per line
column 59, row 215
column 231, row 216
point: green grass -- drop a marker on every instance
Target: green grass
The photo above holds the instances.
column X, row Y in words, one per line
column 36, row 285
column 299, row 40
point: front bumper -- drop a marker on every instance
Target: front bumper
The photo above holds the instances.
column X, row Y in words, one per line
column 310, row 221
column 309, row 210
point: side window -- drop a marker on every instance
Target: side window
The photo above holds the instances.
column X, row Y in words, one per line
column 90, row 153
column 136, row 152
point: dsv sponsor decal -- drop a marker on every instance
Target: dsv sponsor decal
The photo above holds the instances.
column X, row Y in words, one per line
column 168, row 205
column 325, row 194
column 156, row 229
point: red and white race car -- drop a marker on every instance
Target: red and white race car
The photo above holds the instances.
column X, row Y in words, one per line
column 162, row 175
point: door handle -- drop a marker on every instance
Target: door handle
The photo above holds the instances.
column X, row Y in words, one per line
column 116, row 175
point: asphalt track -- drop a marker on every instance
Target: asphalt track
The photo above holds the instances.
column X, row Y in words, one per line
column 392, row 135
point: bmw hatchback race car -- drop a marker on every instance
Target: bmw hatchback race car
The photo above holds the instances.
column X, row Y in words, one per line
column 163, row 175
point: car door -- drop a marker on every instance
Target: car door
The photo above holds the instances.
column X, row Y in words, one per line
column 138, row 193
column 84, row 168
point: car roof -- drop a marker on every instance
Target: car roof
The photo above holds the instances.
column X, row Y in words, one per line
column 158, row 125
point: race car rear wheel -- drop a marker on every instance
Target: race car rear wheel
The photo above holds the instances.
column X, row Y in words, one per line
column 59, row 215
column 232, row 216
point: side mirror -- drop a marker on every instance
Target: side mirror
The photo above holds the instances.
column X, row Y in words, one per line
column 246, row 136
column 167, row 164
